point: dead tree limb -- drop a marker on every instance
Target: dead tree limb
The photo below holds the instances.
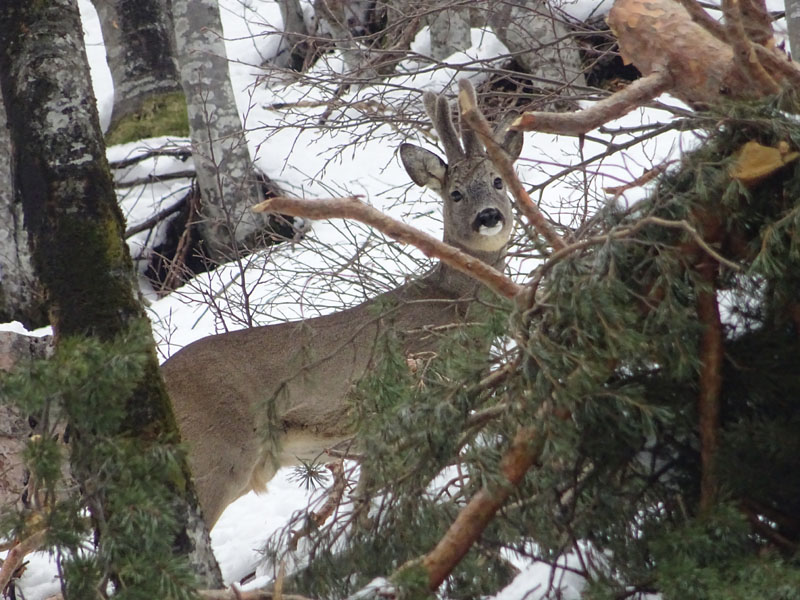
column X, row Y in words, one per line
column 17, row 554
column 352, row 208
column 680, row 49
column 614, row 106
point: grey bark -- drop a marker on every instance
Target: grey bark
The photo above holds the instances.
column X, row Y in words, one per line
column 21, row 295
column 14, row 429
column 539, row 39
column 224, row 168
column 138, row 36
column 450, row 30
column 793, row 25
column 66, row 190
column 294, row 46
column 339, row 18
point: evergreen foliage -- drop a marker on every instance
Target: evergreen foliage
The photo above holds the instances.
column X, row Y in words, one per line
column 608, row 366
column 81, row 394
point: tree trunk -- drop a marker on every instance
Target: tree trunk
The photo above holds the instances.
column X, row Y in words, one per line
column 294, row 44
column 224, row 169
column 14, row 429
column 76, row 229
column 539, row 40
column 138, row 36
column 21, row 295
column 793, row 25
column 450, row 30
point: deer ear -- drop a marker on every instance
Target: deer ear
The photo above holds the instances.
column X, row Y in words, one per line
column 423, row 166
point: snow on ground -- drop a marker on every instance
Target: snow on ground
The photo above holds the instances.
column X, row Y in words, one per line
column 305, row 162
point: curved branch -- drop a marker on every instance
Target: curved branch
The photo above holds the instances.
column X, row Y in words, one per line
column 481, row 509
column 352, row 208
column 614, row 106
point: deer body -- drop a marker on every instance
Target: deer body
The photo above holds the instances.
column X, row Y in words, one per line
column 307, row 368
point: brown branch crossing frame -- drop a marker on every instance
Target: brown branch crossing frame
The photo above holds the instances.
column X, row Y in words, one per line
column 352, row 208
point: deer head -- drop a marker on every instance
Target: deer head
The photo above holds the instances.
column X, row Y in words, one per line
column 477, row 211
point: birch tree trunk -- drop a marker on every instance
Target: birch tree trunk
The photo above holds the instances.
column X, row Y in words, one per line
column 138, row 36
column 294, row 46
column 21, row 296
column 793, row 25
column 225, row 173
column 76, row 229
column 450, row 30
column 539, row 40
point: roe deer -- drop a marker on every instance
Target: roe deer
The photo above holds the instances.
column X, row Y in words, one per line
column 308, row 367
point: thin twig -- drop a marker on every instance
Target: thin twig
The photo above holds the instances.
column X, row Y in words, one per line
column 155, row 219
column 352, row 208
column 155, row 178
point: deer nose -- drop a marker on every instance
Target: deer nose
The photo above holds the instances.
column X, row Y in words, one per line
column 488, row 222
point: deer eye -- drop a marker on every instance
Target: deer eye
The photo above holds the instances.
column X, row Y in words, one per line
column 456, row 196
column 498, row 183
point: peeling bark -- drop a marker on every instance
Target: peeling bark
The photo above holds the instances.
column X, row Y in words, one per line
column 75, row 224
column 793, row 25
column 225, row 174
column 705, row 62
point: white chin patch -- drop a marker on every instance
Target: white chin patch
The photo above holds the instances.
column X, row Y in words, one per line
column 490, row 231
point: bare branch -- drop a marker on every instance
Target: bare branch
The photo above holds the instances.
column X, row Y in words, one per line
column 481, row 509
column 616, row 105
column 17, row 554
column 702, row 18
column 352, row 208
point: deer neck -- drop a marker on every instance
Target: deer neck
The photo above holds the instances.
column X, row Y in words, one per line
column 458, row 284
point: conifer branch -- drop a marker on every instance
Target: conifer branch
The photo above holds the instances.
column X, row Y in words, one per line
column 481, row 509
column 234, row 594
column 316, row 519
column 710, row 384
column 498, row 156
column 470, row 523
column 352, row 208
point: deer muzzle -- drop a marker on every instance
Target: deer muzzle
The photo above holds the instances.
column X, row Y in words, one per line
column 489, row 222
